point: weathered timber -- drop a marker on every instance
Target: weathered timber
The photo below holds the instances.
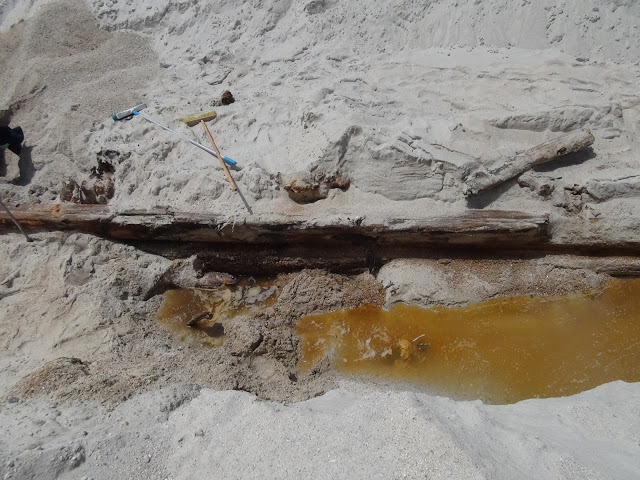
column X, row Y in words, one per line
column 291, row 243
column 479, row 182
column 613, row 266
column 267, row 259
column 476, row 227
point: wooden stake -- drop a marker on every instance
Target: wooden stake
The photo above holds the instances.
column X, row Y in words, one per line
column 29, row 239
column 224, row 166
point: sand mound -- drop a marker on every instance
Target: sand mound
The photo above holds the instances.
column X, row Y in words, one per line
column 402, row 99
column 62, row 76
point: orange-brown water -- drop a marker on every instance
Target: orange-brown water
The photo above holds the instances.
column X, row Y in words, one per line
column 182, row 305
column 500, row 351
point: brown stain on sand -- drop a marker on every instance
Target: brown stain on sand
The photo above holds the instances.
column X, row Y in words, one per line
column 501, row 351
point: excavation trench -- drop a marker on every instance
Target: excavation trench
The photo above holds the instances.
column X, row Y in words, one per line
column 425, row 302
column 501, row 350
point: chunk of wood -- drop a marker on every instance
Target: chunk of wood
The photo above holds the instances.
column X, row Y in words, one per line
column 198, row 318
column 479, row 182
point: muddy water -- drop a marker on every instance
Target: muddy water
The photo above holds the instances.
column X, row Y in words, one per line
column 500, row 351
column 210, row 310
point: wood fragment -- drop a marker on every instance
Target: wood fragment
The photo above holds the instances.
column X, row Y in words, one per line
column 198, row 318
column 630, row 268
column 479, row 182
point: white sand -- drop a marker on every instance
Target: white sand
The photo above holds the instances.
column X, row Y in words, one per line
column 403, row 97
column 378, row 92
column 343, row 434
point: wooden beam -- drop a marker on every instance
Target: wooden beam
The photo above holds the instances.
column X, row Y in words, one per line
column 476, row 227
column 290, row 243
column 479, row 182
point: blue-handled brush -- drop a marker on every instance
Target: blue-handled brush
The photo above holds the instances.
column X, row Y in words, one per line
column 128, row 112
column 135, row 110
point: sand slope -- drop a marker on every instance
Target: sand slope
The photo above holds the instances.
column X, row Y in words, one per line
column 180, row 434
column 402, row 98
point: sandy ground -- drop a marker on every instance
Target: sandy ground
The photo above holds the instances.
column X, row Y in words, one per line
column 347, row 433
column 95, row 387
column 402, row 98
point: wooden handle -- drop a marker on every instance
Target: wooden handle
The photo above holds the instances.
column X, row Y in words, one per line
column 224, row 165
column 15, row 220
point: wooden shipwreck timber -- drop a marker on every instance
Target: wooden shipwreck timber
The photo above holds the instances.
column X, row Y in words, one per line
column 288, row 243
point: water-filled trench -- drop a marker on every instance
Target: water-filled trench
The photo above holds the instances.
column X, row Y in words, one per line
column 207, row 310
column 500, row 351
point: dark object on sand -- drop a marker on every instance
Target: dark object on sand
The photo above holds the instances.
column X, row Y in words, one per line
column 227, row 98
column 216, row 330
column 11, row 138
column 198, row 318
